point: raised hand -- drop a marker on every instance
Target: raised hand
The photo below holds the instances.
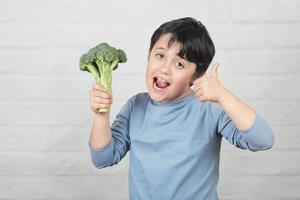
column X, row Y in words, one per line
column 208, row 87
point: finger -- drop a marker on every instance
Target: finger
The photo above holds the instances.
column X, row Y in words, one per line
column 214, row 70
column 199, row 92
column 199, row 85
column 99, row 105
column 101, row 100
column 202, row 98
column 198, row 80
column 207, row 75
column 196, row 87
column 97, row 86
column 101, row 94
column 195, row 82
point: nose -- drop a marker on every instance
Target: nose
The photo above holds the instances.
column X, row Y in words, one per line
column 165, row 67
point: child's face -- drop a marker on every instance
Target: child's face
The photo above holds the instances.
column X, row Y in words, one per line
column 168, row 76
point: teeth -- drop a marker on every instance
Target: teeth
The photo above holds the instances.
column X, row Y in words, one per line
column 161, row 79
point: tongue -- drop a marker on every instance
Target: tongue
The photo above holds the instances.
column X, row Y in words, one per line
column 161, row 84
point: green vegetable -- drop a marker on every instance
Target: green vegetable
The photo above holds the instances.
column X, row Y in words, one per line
column 101, row 61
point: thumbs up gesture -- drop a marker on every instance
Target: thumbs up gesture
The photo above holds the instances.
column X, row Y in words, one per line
column 208, row 87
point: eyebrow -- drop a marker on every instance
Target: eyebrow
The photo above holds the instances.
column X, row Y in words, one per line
column 162, row 48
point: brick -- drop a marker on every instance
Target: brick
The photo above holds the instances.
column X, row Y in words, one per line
column 91, row 187
column 259, row 62
column 283, row 35
column 44, row 62
column 278, row 113
column 63, row 62
column 66, row 35
column 67, row 11
column 218, row 11
column 44, row 163
column 128, row 85
column 68, row 89
column 62, row 163
column 285, row 10
column 286, row 137
column 259, row 187
column 24, row 138
column 237, row 36
column 44, row 138
column 64, row 187
column 70, row 138
column 25, row 187
column 65, row 89
column 269, row 162
column 265, row 11
column 44, row 114
column 58, row 88
column 255, row 35
column 263, row 88
column 246, row 10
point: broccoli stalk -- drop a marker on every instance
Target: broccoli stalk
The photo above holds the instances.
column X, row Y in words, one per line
column 101, row 61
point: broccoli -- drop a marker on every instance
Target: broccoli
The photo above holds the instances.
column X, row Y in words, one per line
column 101, row 61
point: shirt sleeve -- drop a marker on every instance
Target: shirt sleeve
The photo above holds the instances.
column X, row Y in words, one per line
column 119, row 144
column 258, row 137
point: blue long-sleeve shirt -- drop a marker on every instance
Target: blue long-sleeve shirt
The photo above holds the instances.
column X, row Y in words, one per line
column 175, row 147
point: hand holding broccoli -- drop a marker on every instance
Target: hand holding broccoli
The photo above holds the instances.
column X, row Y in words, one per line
column 101, row 61
column 99, row 98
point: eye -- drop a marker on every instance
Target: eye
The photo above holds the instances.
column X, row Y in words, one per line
column 159, row 55
column 179, row 65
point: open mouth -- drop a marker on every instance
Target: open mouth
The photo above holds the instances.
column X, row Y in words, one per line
column 160, row 83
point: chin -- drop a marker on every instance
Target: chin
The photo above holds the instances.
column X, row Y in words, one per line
column 155, row 97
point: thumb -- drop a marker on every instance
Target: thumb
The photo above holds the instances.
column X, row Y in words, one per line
column 214, row 70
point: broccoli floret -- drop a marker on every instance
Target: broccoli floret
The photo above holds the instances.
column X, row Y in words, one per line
column 86, row 64
column 101, row 61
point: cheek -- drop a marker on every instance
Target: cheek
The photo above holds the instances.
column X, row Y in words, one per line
column 183, row 78
column 181, row 83
column 149, row 72
column 150, row 68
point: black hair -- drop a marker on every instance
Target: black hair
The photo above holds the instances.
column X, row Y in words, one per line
column 195, row 43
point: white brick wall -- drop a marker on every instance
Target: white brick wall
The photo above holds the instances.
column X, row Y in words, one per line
column 45, row 117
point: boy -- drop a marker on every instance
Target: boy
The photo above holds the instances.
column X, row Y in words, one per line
column 174, row 132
